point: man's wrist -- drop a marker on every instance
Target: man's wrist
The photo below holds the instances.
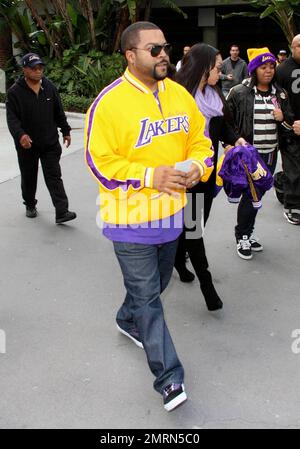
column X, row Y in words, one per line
column 200, row 166
column 148, row 180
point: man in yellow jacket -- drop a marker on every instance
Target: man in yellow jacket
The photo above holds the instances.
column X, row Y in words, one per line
column 137, row 129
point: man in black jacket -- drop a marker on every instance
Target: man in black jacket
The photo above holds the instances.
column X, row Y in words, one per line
column 288, row 76
column 34, row 112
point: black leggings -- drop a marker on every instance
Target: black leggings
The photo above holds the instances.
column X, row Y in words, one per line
column 194, row 247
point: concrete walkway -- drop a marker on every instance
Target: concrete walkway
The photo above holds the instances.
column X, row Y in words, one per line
column 65, row 364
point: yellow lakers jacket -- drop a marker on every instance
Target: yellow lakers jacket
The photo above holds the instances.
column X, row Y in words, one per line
column 129, row 131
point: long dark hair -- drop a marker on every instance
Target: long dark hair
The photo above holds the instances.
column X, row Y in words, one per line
column 197, row 64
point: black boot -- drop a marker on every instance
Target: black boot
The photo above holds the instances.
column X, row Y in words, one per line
column 199, row 262
column 212, row 299
column 184, row 274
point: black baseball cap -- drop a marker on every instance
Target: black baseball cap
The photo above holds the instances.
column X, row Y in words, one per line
column 282, row 52
column 31, row 60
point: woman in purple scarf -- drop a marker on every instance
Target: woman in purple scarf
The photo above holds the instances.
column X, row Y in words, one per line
column 200, row 74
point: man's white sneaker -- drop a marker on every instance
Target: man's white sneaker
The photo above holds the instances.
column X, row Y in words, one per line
column 173, row 396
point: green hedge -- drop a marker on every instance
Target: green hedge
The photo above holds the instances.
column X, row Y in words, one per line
column 71, row 103
column 2, row 98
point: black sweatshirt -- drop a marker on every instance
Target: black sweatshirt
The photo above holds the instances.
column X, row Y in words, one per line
column 39, row 116
column 288, row 77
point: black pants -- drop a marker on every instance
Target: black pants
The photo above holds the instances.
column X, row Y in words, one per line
column 194, row 247
column 246, row 213
column 28, row 163
column 291, row 179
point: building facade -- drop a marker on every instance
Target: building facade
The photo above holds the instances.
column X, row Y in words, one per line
column 204, row 23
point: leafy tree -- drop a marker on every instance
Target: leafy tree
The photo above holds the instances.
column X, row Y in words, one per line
column 283, row 12
column 60, row 24
column 16, row 20
column 78, row 39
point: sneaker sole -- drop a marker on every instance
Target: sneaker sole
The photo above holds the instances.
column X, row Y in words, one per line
column 293, row 223
column 180, row 399
column 61, row 221
column 138, row 343
column 257, row 250
column 244, row 257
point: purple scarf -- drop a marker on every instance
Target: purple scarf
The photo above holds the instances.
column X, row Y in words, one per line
column 210, row 104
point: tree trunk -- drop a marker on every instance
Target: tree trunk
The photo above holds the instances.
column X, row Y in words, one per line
column 16, row 31
column 148, row 7
column 122, row 23
column 5, row 46
column 87, row 11
column 40, row 22
column 61, row 7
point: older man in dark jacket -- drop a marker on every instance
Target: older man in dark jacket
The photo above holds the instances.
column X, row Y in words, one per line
column 288, row 77
column 34, row 112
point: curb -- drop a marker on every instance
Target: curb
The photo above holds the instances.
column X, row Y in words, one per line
column 75, row 115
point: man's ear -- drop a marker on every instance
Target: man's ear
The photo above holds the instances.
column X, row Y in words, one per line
column 130, row 56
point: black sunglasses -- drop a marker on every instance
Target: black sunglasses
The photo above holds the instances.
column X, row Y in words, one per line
column 155, row 50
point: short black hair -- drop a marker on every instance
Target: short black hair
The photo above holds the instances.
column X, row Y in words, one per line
column 130, row 36
column 234, row 45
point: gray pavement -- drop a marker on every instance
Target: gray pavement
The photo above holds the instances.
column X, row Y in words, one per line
column 65, row 364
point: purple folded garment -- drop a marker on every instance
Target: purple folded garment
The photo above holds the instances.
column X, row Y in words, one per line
column 244, row 170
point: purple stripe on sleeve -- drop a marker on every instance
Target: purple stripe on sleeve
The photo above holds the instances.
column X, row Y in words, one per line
column 209, row 161
column 113, row 183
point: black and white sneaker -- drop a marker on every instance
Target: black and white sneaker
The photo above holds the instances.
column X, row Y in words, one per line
column 292, row 217
column 255, row 245
column 133, row 335
column 173, row 396
column 243, row 248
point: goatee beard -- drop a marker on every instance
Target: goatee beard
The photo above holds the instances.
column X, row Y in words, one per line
column 158, row 77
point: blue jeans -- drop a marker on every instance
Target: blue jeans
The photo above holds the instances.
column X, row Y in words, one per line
column 147, row 270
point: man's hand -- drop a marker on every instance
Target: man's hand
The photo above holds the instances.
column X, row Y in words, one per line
column 296, row 127
column 67, row 141
column 25, row 141
column 230, row 76
column 169, row 180
column 193, row 176
column 278, row 115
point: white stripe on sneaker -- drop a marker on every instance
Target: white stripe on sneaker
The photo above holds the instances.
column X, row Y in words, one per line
column 137, row 342
column 182, row 397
